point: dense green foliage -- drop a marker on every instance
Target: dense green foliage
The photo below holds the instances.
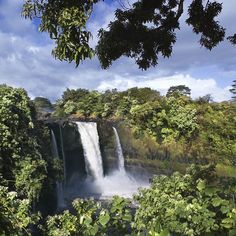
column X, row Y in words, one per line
column 197, row 203
column 24, row 161
column 15, row 214
column 41, row 102
column 182, row 129
column 176, row 90
column 194, row 204
column 143, row 31
column 21, row 162
column 91, row 219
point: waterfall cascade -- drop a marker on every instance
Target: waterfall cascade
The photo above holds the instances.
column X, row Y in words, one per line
column 121, row 162
column 90, row 142
column 60, row 192
column 118, row 182
column 63, row 153
column 54, row 145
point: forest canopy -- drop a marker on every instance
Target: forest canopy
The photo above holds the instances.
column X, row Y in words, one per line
column 143, row 31
column 185, row 130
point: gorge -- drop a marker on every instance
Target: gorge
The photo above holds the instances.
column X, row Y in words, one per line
column 87, row 173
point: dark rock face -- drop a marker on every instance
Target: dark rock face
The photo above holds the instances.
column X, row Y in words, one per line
column 108, row 147
column 73, row 149
column 135, row 151
column 70, row 151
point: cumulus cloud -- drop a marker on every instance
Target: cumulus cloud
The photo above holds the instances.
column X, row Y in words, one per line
column 199, row 87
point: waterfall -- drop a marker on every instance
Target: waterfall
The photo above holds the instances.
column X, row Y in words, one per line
column 54, row 145
column 60, row 194
column 119, row 151
column 63, row 154
column 90, row 142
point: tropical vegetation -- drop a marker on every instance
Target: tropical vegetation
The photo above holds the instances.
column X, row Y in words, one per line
column 198, row 201
column 182, row 129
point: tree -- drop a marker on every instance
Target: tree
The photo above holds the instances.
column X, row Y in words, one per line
column 143, row 32
column 178, row 90
column 233, row 90
column 74, row 95
column 41, row 102
column 21, row 162
column 143, row 94
column 204, row 99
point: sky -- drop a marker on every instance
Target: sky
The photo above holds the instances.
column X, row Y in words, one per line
column 26, row 60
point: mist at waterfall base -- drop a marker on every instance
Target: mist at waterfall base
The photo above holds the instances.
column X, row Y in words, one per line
column 117, row 183
column 95, row 184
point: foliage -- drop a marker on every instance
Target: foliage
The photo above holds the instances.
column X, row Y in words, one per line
column 20, row 158
column 40, row 102
column 205, row 99
column 145, row 31
column 74, row 95
column 70, row 107
column 25, row 166
column 173, row 128
column 201, row 18
column 178, row 90
column 233, row 90
column 217, row 132
column 91, row 219
column 190, row 204
column 65, row 21
column 15, row 216
column 196, row 203
column 184, row 130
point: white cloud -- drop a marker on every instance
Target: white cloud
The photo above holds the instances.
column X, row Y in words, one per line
column 199, row 87
column 34, row 49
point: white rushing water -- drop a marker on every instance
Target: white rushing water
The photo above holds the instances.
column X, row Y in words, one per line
column 90, row 142
column 63, row 153
column 121, row 161
column 118, row 182
column 60, row 192
column 54, row 145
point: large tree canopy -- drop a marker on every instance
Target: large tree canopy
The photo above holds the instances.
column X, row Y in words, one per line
column 144, row 32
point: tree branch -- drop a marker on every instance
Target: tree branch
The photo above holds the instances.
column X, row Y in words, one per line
column 180, row 9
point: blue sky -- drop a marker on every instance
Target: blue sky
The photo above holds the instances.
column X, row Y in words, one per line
column 26, row 61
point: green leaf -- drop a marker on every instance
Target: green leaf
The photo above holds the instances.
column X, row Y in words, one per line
column 216, row 202
column 224, row 209
column 104, row 218
column 201, row 185
column 165, row 232
column 228, row 223
column 87, row 221
column 94, row 230
column 210, row 191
